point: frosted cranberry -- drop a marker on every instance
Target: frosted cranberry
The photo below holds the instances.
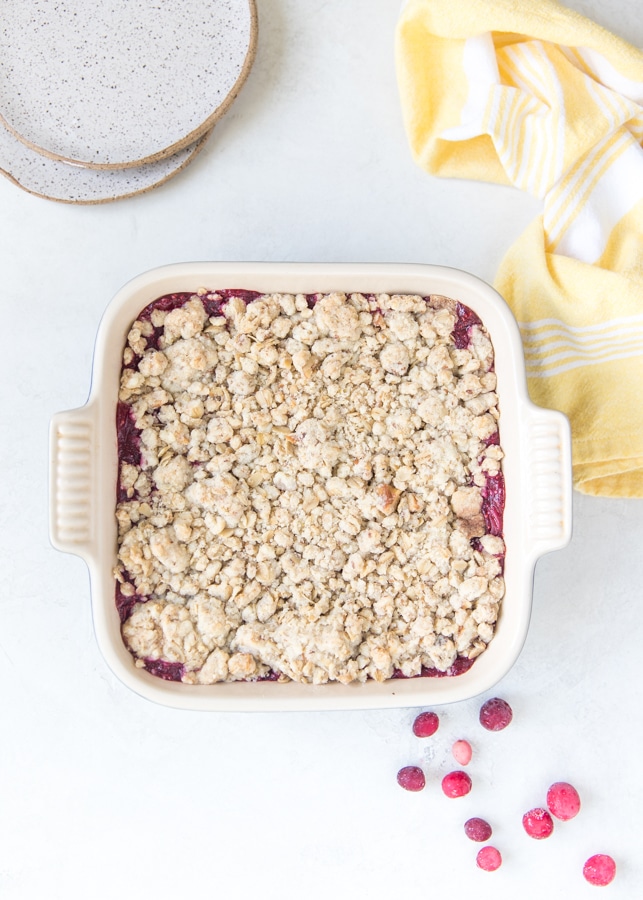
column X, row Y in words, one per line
column 599, row 869
column 411, row 778
column 462, row 752
column 538, row 823
column 489, row 859
column 477, row 830
column 495, row 714
column 456, row 784
column 563, row 801
column 426, row 724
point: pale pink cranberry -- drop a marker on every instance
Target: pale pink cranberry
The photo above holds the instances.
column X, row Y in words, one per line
column 563, row 801
column 599, row 869
column 495, row 714
column 489, row 859
column 477, row 830
column 538, row 823
column 456, row 784
column 462, row 752
column 411, row 778
column 426, row 724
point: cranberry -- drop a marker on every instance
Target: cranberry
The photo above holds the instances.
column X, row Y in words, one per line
column 477, row 830
column 495, row 714
column 489, row 859
column 462, row 752
column 599, row 869
column 426, row 724
column 456, row 784
column 563, row 800
column 411, row 778
column 538, row 823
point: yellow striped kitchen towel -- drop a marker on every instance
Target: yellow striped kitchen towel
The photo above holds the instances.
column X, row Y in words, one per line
column 531, row 94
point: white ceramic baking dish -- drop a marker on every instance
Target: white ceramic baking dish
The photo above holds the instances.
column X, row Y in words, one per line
column 537, row 470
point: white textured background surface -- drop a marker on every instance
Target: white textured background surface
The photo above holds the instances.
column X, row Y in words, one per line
column 104, row 795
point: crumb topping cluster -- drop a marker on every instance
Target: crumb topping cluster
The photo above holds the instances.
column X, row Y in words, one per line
column 309, row 487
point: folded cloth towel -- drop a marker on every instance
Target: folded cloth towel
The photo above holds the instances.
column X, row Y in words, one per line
column 529, row 93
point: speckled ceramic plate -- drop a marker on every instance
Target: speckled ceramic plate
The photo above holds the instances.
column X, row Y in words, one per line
column 57, row 180
column 117, row 83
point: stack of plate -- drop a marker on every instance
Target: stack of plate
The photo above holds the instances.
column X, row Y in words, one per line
column 106, row 99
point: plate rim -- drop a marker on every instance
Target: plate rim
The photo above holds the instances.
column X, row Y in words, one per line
column 196, row 150
column 178, row 145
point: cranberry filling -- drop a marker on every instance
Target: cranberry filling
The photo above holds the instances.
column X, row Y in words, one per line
column 168, row 671
column 271, row 676
column 129, row 443
column 129, row 440
column 164, row 304
column 124, row 604
column 246, row 296
column 128, row 436
column 493, row 493
column 493, row 503
column 461, row 665
column 213, row 305
column 466, row 319
column 213, row 302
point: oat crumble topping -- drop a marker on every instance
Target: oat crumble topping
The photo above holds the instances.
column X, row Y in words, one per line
column 310, row 487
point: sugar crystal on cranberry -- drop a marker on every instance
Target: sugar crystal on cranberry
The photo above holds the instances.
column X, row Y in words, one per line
column 538, row 823
column 495, row 714
column 426, row 724
column 563, row 801
column 477, row 830
column 599, row 869
column 456, row 784
column 489, row 859
column 411, row 778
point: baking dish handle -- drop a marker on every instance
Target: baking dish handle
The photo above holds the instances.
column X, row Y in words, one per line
column 549, row 487
column 72, row 499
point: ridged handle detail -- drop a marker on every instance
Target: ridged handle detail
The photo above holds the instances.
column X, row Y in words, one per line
column 550, row 483
column 72, row 459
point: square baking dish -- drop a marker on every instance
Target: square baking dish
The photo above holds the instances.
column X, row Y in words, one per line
column 536, row 468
